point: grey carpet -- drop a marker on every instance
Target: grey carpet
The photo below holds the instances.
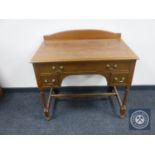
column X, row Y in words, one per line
column 22, row 113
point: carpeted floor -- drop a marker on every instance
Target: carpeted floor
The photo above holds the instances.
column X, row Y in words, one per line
column 21, row 113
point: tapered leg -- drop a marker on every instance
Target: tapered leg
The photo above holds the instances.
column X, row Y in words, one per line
column 47, row 103
column 51, row 102
column 45, row 106
column 124, row 103
column 46, row 114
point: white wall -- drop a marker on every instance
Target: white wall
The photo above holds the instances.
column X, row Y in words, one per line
column 19, row 39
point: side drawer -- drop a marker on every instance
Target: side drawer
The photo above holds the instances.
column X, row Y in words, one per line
column 117, row 65
column 119, row 79
column 49, row 81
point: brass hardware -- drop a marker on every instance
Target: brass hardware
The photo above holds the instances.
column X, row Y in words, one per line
column 115, row 65
column 53, row 80
column 53, row 67
column 45, row 80
column 61, row 67
column 108, row 65
column 121, row 81
column 123, row 78
column 116, row 78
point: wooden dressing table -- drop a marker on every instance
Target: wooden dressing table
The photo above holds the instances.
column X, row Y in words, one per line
column 83, row 52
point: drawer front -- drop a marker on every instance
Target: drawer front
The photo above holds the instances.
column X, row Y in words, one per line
column 108, row 66
column 119, row 79
column 49, row 81
column 117, row 66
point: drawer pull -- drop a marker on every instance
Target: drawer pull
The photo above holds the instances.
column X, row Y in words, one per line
column 121, row 81
column 115, row 65
column 123, row 78
column 61, row 67
column 116, row 78
column 45, row 80
column 53, row 67
column 53, row 80
column 108, row 65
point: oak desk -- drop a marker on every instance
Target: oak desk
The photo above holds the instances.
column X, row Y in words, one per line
column 84, row 52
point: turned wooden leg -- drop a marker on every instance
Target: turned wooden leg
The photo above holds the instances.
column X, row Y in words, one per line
column 46, row 108
column 46, row 114
column 124, row 103
column 52, row 101
column 47, row 104
column 122, row 111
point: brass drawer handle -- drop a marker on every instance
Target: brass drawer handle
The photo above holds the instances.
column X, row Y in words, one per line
column 46, row 80
column 121, row 81
column 116, row 78
column 123, row 78
column 53, row 67
column 53, row 80
column 61, row 67
column 108, row 65
column 111, row 67
column 115, row 65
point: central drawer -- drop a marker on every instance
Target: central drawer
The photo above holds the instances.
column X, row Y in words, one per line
column 76, row 67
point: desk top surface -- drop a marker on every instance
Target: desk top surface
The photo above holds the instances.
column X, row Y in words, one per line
column 83, row 50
